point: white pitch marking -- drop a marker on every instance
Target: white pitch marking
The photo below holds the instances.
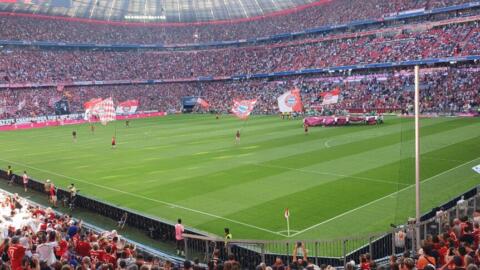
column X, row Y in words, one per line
column 328, row 173
column 149, row 199
column 326, row 144
column 379, row 199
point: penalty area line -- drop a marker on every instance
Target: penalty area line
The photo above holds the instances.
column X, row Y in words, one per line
column 380, row 199
column 171, row 205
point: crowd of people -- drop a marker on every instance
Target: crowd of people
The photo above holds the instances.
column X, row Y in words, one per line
column 22, row 65
column 443, row 90
column 330, row 13
column 37, row 238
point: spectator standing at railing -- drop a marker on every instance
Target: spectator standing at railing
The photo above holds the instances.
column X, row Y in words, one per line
column 179, row 230
column 25, row 180
column 53, row 195
column 9, row 172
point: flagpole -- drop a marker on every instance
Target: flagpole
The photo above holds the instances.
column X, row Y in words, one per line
column 288, row 226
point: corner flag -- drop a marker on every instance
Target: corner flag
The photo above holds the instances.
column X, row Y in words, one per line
column 287, row 217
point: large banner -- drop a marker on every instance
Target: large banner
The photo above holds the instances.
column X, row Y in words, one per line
column 127, row 107
column 330, row 97
column 243, row 108
column 290, row 101
column 203, row 103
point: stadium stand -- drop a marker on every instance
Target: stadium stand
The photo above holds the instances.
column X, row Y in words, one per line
column 37, row 65
column 35, row 237
column 446, row 89
column 334, row 12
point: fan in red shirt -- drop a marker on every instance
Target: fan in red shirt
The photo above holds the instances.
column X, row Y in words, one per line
column 16, row 252
column 83, row 247
column 108, row 257
column 96, row 253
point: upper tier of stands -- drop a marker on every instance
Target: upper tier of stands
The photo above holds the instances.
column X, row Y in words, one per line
column 32, row 27
column 30, row 65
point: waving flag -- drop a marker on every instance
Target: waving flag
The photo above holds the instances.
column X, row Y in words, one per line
column 127, row 107
column 203, row 103
column 330, row 97
column 89, row 107
column 106, row 111
column 287, row 213
column 290, row 101
column 243, row 108
column 103, row 109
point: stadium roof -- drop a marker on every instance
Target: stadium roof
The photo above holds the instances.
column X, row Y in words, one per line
column 152, row 10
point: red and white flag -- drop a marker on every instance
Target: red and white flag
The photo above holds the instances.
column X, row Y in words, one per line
column 127, row 107
column 106, row 111
column 89, row 107
column 204, row 104
column 287, row 213
column 103, row 109
column 243, row 108
column 330, row 97
column 290, row 101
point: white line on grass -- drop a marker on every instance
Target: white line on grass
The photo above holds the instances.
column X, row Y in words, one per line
column 379, row 199
column 328, row 173
column 326, row 144
column 172, row 205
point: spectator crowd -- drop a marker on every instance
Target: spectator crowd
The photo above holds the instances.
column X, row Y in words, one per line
column 442, row 89
column 37, row 238
column 329, row 13
column 20, row 65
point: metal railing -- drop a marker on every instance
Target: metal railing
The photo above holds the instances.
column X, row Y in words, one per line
column 335, row 252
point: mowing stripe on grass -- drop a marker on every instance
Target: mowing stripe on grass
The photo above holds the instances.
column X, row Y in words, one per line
column 147, row 198
column 380, row 199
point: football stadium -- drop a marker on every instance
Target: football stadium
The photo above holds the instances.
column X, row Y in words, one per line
column 239, row 134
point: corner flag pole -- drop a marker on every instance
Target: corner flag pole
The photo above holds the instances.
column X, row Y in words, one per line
column 417, row 157
column 287, row 217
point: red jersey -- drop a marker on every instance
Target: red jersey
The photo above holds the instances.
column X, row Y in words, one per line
column 16, row 253
column 25, row 178
column 109, row 258
column 113, row 141
column 39, row 212
column 365, row 266
column 83, row 248
column 62, row 248
column 98, row 254
column 53, row 192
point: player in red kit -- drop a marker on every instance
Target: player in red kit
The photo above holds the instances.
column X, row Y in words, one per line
column 305, row 128
column 114, row 143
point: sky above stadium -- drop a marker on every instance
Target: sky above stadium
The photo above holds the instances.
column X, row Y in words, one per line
column 152, row 10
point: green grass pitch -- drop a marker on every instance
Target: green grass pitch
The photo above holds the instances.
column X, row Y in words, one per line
column 335, row 181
